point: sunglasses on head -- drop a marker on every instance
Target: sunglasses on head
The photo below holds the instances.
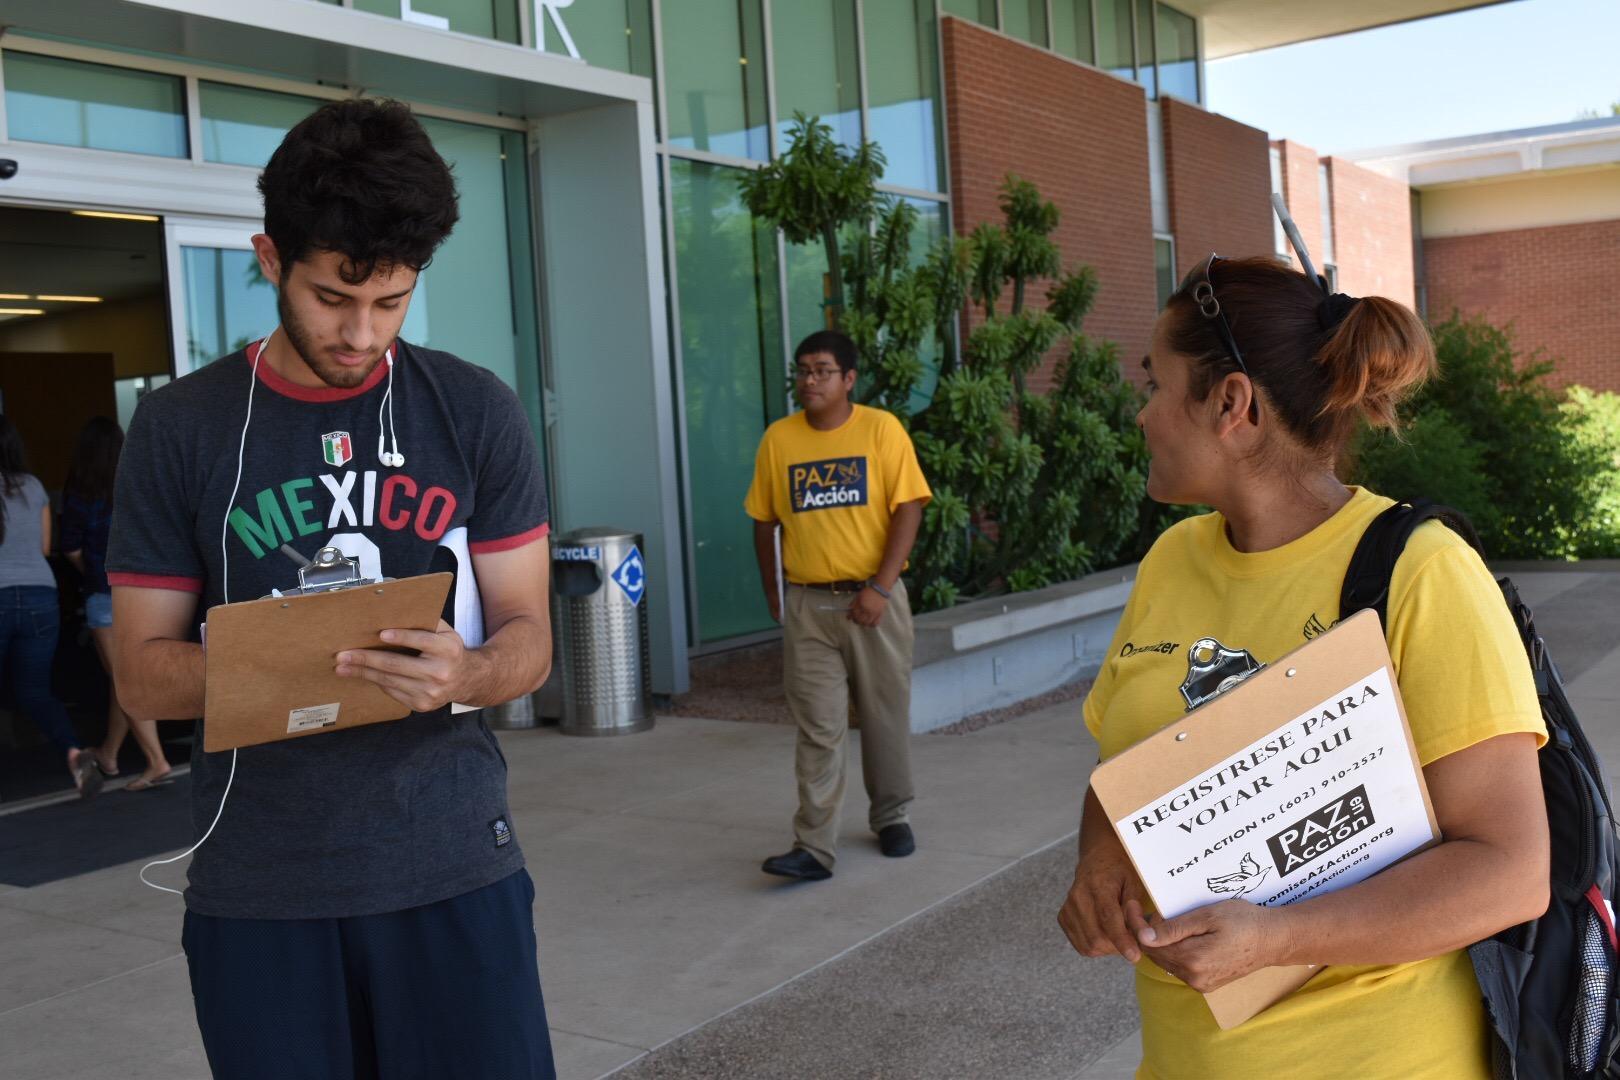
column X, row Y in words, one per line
column 1203, row 294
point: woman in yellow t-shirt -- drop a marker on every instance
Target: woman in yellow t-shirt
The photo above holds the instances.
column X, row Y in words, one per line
column 1256, row 383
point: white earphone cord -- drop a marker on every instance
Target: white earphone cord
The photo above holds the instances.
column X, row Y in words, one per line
column 393, row 459
column 225, row 591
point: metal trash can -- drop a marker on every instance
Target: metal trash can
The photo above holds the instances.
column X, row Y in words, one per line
column 599, row 614
column 515, row 715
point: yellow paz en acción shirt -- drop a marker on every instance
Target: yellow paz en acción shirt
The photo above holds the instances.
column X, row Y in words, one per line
column 1464, row 678
column 834, row 492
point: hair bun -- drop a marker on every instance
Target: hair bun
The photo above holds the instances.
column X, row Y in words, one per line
column 1378, row 353
column 1334, row 309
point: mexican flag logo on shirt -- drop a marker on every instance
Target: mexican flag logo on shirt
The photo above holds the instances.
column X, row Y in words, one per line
column 336, row 449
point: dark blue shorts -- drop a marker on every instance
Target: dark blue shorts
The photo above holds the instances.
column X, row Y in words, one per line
column 447, row 990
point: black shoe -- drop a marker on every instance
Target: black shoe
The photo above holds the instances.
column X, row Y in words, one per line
column 896, row 840
column 797, row 863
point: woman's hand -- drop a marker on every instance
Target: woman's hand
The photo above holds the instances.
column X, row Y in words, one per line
column 1093, row 914
column 1212, row 946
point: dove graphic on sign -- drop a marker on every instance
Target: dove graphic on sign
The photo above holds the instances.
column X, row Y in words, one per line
column 1245, row 881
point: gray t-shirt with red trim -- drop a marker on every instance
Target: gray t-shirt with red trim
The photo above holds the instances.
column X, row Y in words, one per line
column 377, row 818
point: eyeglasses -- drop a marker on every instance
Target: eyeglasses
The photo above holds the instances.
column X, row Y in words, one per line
column 1203, row 294
column 816, row 375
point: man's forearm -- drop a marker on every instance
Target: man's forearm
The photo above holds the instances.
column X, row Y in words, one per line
column 897, row 547
column 765, row 554
column 162, row 680
column 514, row 661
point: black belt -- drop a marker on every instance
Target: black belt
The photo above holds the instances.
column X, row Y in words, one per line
column 834, row 587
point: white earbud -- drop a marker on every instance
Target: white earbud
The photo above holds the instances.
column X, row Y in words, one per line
column 392, row 458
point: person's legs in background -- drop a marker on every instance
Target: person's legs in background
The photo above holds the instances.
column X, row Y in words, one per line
column 817, row 690
column 98, row 615
column 31, row 624
column 879, row 659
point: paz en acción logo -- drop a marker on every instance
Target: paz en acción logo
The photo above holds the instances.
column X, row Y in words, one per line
column 824, row 485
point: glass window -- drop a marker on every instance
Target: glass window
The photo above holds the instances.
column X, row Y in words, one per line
column 807, row 288
column 932, row 227
column 244, row 127
column 1145, row 72
column 817, row 67
column 1114, row 50
column 1279, row 238
column 496, row 19
column 902, row 90
column 714, row 76
column 463, row 300
column 613, row 34
column 1324, row 194
column 127, row 393
column 980, row 11
column 228, row 302
column 70, row 103
column 1164, row 267
column 1178, row 54
column 734, row 381
column 1025, row 20
column 1071, row 29
column 806, row 285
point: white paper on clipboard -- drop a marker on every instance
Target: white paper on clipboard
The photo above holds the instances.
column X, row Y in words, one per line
column 1323, row 801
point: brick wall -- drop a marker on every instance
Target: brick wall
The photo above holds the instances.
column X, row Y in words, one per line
column 1302, row 191
column 1372, row 232
column 1081, row 137
column 1219, row 179
column 1555, row 284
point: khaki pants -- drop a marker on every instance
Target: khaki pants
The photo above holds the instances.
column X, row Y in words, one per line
column 827, row 659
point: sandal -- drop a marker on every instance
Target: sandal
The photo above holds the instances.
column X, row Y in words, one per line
column 140, row 783
column 106, row 772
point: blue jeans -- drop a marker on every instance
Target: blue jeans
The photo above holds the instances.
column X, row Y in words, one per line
column 450, row 989
column 29, row 622
column 98, row 610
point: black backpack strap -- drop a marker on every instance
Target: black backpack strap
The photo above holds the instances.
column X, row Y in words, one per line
column 1366, row 582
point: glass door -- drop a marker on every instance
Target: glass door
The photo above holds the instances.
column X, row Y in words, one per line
column 219, row 301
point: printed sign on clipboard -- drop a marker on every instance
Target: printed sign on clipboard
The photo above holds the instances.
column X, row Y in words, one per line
column 1299, row 779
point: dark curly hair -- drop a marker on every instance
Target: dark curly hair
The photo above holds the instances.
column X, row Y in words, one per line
column 361, row 178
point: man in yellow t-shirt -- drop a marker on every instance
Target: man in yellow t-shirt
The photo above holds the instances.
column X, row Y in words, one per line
column 842, row 481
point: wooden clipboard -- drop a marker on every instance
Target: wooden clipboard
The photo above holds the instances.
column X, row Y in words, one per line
column 1225, row 725
column 270, row 664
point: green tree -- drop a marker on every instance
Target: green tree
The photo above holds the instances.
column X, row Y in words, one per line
column 1029, row 489
column 1489, row 437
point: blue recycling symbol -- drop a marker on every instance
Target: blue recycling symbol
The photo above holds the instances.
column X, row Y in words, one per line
column 631, row 576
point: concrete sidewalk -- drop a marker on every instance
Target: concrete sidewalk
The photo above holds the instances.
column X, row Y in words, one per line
column 652, row 915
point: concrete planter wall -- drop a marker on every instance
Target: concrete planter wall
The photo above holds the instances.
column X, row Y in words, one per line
column 991, row 653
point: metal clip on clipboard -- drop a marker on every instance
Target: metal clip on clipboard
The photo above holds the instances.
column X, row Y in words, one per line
column 330, row 571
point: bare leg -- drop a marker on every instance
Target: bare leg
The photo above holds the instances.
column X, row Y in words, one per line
column 117, row 729
column 120, row 722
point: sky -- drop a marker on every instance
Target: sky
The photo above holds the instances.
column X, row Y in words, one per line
column 1511, row 65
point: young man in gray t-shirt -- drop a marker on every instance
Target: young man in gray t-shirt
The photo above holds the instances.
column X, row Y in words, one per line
column 359, row 906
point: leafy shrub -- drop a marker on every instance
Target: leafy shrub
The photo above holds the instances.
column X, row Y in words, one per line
column 1029, row 489
column 1490, row 437
column 1594, row 421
